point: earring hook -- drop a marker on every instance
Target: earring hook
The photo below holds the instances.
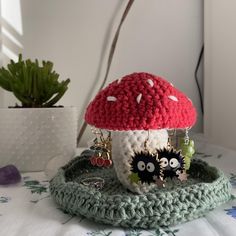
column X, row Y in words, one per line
column 186, row 137
column 146, row 141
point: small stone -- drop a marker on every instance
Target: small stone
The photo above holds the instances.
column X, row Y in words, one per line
column 9, row 175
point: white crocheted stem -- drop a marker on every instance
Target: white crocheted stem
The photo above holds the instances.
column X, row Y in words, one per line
column 125, row 143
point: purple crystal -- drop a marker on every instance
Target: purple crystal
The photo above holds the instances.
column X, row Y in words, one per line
column 9, row 175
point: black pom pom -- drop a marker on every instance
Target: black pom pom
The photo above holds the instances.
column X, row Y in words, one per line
column 171, row 161
column 147, row 166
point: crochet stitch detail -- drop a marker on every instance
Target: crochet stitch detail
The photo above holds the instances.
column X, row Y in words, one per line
column 140, row 101
column 125, row 144
column 206, row 188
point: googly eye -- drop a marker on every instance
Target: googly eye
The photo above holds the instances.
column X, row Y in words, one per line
column 150, row 167
column 141, row 165
column 164, row 162
column 173, row 162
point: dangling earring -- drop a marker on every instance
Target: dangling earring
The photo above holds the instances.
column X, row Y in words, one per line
column 145, row 167
column 102, row 149
column 187, row 148
column 172, row 162
column 145, row 145
column 106, row 150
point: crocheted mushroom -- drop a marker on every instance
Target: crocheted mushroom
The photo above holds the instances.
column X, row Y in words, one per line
column 131, row 106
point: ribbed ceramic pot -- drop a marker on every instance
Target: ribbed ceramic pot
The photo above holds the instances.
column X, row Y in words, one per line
column 31, row 137
column 125, row 144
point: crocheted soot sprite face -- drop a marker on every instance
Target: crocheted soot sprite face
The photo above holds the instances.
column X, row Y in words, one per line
column 171, row 161
column 146, row 167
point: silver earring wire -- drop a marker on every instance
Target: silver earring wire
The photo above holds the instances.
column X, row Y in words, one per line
column 186, row 137
column 146, row 141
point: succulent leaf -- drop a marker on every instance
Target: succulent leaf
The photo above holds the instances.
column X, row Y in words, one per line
column 33, row 84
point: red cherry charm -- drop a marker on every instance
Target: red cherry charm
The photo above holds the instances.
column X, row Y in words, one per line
column 93, row 160
column 100, row 161
column 107, row 163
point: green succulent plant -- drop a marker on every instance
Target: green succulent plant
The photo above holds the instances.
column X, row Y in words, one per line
column 34, row 85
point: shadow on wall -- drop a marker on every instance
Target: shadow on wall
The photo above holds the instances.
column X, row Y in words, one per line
column 12, row 30
column 12, row 39
column 102, row 59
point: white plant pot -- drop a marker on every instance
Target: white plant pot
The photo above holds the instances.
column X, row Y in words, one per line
column 125, row 144
column 31, row 137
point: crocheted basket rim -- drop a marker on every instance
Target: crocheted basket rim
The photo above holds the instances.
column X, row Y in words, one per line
column 141, row 101
column 206, row 188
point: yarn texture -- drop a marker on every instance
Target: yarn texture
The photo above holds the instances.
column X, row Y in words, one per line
column 140, row 101
column 206, row 188
column 125, row 144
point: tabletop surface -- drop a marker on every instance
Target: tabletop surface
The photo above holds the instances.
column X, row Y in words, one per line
column 28, row 209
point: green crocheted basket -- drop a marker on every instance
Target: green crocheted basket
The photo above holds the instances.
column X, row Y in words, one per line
column 206, row 188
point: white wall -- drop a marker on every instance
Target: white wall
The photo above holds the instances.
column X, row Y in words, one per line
column 220, row 72
column 1, row 59
column 163, row 37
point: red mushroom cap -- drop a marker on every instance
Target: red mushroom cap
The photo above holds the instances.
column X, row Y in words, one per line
column 140, row 101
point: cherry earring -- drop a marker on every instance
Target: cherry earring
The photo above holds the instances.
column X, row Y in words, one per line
column 102, row 149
